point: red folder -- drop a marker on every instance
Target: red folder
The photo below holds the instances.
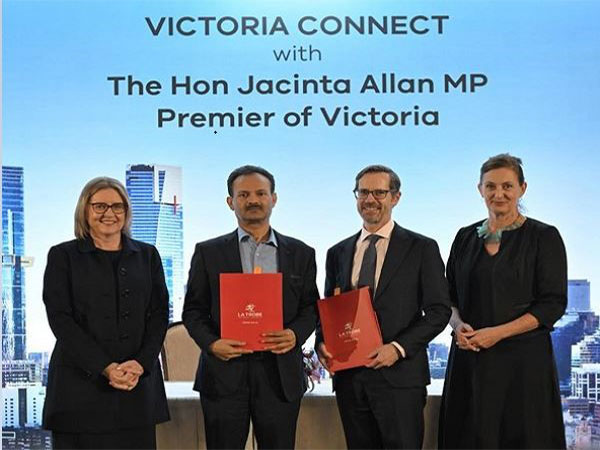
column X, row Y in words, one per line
column 251, row 304
column 350, row 328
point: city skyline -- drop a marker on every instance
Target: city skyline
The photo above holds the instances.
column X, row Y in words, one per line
column 64, row 126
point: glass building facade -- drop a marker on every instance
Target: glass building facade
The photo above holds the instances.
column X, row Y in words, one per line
column 579, row 295
column 155, row 194
column 13, row 264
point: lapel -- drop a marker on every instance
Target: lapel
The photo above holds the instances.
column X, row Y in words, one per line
column 285, row 254
column 400, row 243
column 233, row 262
column 346, row 260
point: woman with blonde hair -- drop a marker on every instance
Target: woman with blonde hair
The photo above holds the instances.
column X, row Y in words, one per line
column 107, row 305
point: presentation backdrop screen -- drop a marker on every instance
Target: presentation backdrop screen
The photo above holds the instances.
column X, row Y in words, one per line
column 169, row 97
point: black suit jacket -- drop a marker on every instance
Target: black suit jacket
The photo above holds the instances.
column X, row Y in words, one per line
column 97, row 322
column 201, row 310
column 411, row 300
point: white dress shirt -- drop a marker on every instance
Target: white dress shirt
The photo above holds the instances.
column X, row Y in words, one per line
column 381, row 246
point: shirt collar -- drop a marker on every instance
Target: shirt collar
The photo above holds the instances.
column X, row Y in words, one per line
column 385, row 232
column 244, row 235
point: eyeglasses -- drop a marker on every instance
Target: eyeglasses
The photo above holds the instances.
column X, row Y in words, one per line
column 101, row 208
column 378, row 194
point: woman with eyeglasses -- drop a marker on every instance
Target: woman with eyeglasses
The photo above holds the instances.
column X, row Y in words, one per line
column 508, row 286
column 107, row 305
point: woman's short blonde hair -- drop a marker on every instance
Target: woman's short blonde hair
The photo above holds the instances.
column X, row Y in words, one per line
column 82, row 229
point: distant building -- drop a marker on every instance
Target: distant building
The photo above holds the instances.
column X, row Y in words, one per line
column 155, row 192
column 583, row 435
column 13, row 263
column 437, row 350
column 586, row 351
column 20, row 372
column 23, row 405
column 579, row 295
column 43, row 359
column 585, row 382
column 578, row 406
column 575, row 324
column 26, row 438
column 438, row 359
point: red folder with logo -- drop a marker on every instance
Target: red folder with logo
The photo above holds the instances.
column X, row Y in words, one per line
column 350, row 328
column 251, row 304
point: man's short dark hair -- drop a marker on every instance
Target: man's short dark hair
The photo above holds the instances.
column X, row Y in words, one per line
column 247, row 170
column 377, row 168
column 503, row 161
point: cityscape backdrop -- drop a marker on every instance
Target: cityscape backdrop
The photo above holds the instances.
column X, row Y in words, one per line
column 62, row 126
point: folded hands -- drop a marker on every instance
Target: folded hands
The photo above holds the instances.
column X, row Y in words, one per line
column 124, row 376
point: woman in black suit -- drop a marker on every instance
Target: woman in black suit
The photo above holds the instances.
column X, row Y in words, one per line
column 508, row 286
column 107, row 305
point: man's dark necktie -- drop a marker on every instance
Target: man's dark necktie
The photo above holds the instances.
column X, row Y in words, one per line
column 366, row 276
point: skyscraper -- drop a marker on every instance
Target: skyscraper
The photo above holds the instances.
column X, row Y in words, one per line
column 155, row 194
column 13, row 263
column 579, row 295
column 586, row 351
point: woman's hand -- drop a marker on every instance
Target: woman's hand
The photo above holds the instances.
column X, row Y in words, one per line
column 134, row 369
column 124, row 376
column 461, row 339
column 117, row 378
column 484, row 337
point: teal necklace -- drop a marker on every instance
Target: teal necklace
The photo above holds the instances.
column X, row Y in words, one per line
column 494, row 237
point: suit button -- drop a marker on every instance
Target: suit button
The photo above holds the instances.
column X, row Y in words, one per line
column 125, row 293
column 125, row 315
column 124, row 337
column 123, row 271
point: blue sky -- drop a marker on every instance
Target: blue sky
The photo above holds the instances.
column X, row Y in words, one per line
column 64, row 126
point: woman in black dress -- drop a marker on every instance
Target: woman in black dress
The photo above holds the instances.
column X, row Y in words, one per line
column 107, row 305
column 508, row 286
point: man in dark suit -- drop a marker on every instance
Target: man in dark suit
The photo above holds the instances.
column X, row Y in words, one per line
column 236, row 384
column 381, row 405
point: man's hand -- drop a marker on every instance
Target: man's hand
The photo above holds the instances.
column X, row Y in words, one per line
column 324, row 356
column 119, row 379
column 461, row 339
column 484, row 337
column 225, row 349
column 279, row 342
column 384, row 356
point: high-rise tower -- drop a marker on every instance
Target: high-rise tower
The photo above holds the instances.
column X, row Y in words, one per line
column 155, row 194
column 13, row 263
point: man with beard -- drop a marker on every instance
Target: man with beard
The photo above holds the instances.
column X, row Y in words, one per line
column 381, row 405
column 236, row 384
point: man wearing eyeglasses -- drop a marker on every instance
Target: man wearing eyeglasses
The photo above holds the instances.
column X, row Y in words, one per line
column 236, row 384
column 381, row 405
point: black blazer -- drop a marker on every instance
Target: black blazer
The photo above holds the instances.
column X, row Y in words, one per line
column 202, row 320
column 411, row 299
column 96, row 323
column 530, row 274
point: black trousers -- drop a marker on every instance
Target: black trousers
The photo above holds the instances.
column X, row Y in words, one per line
column 260, row 398
column 136, row 438
column 377, row 415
